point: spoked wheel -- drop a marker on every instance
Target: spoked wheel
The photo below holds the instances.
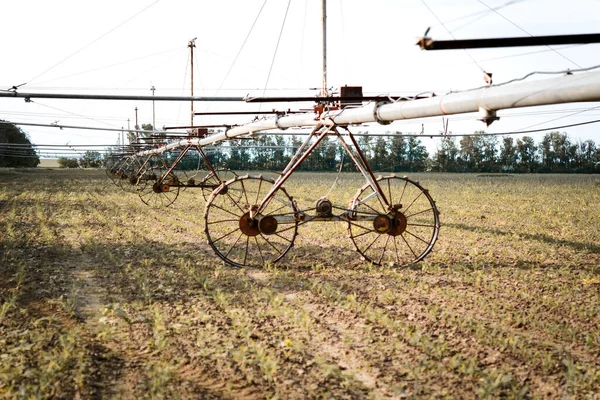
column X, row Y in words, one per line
column 112, row 166
column 125, row 174
column 244, row 241
column 112, row 173
column 212, row 181
column 399, row 234
column 156, row 192
column 131, row 181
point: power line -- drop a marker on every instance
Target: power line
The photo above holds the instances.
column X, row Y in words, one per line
column 277, row 45
column 94, row 41
column 242, row 47
column 518, row 27
column 450, row 33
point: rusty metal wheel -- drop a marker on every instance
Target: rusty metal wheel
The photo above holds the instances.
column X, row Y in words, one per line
column 212, row 181
column 156, row 189
column 397, row 234
column 242, row 240
column 112, row 166
column 125, row 174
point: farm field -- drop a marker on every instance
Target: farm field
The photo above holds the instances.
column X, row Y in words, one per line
column 101, row 296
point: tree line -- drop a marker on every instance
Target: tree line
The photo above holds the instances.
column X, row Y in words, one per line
column 384, row 153
column 555, row 153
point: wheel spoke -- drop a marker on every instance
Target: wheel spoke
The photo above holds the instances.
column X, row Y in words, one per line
column 403, row 190
column 246, row 252
column 280, row 208
column 224, row 236
column 413, row 202
column 420, row 212
column 377, row 212
column 235, row 202
column 245, row 193
column 416, row 237
column 372, row 243
column 295, row 225
column 227, row 211
column 396, row 249
column 259, row 250
column 234, row 244
column 223, row 220
column 360, row 226
column 272, row 245
column 368, row 213
column 258, row 192
column 369, row 231
column 384, row 248
column 411, row 250
column 423, row 225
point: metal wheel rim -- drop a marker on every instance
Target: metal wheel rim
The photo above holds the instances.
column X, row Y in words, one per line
column 225, row 208
column 411, row 245
column 146, row 187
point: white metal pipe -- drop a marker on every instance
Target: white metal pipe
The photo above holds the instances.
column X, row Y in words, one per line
column 564, row 89
column 294, row 120
column 582, row 87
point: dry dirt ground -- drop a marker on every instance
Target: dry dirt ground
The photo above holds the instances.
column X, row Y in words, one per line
column 101, row 296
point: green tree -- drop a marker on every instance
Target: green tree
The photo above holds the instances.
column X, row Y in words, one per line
column 239, row 156
column 16, row 149
column 508, row 155
column 262, row 153
column 416, row 155
column 556, row 152
column 64, row 162
column 397, row 157
column 446, row 157
column 380, row 161
column 366, row 146
column 471, row 153
column 527, row 160
column 588, row 156
column 91, row 159
column 280, row 159
column 489, row 152
column 330, row 162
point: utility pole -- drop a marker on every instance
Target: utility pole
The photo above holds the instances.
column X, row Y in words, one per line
column 128, row 131
column 137, row 127
column 191, row 45
column 324, row 87
column 153, row 113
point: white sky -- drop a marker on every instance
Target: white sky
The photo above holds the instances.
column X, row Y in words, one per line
column 125, row 47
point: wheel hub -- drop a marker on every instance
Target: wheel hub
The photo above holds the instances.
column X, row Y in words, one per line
column 249, row 226
column 399, row 223
column 382, row 223
column 161, row 187
column 394, row 224
column 267, row 225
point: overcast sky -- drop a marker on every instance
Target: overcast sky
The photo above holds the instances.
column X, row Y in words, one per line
column 125, row 47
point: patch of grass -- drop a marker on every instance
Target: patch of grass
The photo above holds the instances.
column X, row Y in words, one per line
column 101, row 296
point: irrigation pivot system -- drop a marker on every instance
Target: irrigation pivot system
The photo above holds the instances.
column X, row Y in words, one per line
column 252, row 220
